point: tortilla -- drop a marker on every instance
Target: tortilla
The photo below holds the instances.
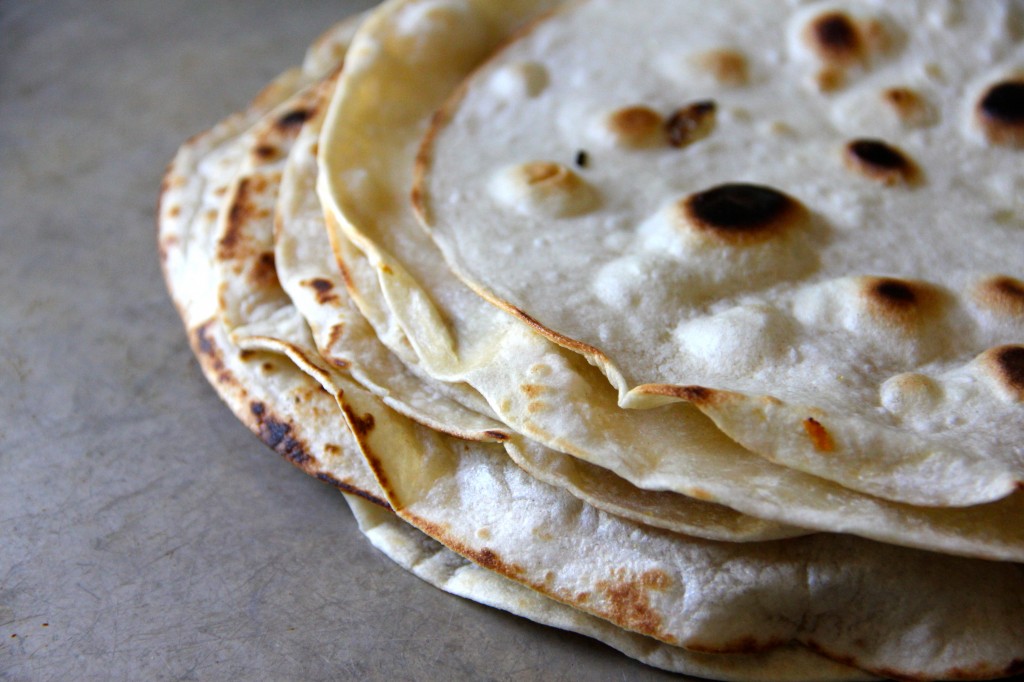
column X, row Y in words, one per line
column 294, row 415
column 544, row 392
column 820, row 249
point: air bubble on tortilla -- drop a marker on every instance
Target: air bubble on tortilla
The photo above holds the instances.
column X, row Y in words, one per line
column 520, row 80
column 543, row 189
column 910, row 394
column 742, row 338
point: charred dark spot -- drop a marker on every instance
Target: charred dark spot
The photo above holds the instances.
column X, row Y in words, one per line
column 321, row 285
column 894, row 292
column 324, row 290
column 821, row 439
column 736, row 211
column 267, row 152
column 258, row 409
column 497, row 435
column 351, row 489
column 1001, row 113
column 294, row 118
column 695, row 394
column 879, row 161
column 691, row 123
column 1010, row 363
column 277, row 435
column 1001, row 294
column 582, row 158
column 834, row 37
column 206, row 346
column 361, row 425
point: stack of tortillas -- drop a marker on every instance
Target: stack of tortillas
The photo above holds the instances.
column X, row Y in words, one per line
column 694, row 327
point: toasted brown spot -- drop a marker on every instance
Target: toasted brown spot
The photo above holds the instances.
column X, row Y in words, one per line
column 739, row 214
column 332, row 449
column 536, row 406
column 834, row 37
column 1000, row 113
column 701, row 494
column 879, row 161
column 174, row 211
column 533, row 390
column 635, row 126
column 1001, row 294
column 497, row 435
column 821, row 439
column 386, row 269
column 1006, row 364
column 264, row 272
column 691, row 123
column 629, row 605
column 728, row 67
column 242, row 210
column 829, row 79
column 908, row 105
column 246, row 354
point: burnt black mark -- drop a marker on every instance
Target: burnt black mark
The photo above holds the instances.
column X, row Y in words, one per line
column 739, row 207
column 582, row 159
column 690, row 123
column 834, row 37
column 1004, row 102
column 879, row 160
column 295, row 118
column 1010, row 360
column 895, row 292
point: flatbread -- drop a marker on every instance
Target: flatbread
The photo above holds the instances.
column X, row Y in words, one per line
column 820, row 249
column 538, row 389
column 294, row 414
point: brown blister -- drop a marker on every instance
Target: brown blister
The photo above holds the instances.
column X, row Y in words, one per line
column 829, row 79
column 727, row 66
column 880, row 162
column 909, row 106
column 1000, row 113
column 635, row 126
column 1000, row 294
column 740, row 214
column 897, row 303
column 1006, row 365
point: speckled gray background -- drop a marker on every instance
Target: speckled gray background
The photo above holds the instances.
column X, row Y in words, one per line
column 144, row 533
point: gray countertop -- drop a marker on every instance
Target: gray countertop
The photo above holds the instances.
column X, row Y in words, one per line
column 145, row 533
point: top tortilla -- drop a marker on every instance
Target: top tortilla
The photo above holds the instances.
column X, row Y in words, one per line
column 858, row 314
